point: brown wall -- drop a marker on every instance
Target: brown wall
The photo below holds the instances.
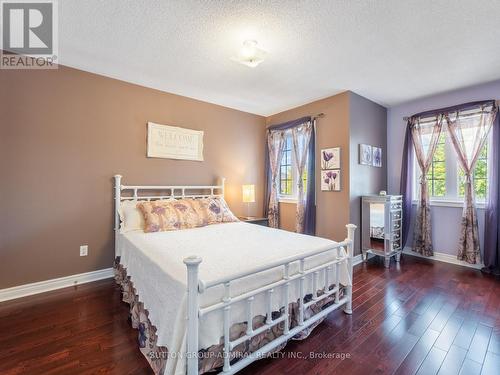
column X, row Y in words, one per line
column 332, row 130
column 64, row 133
column 287, row 215
column 349, row 119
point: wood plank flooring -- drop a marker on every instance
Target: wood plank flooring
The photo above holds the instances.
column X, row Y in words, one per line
column 421, row 317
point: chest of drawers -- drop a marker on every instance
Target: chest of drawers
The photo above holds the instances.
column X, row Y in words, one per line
column 381, row 225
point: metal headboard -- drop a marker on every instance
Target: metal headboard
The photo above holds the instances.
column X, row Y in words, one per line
column 167, row 192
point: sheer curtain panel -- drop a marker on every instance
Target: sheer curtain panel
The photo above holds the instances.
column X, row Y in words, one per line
column 425, row 132
column 468, row 130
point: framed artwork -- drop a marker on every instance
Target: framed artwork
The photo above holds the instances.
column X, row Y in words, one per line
column 330, row 158
column 365, row 154
column 330, row 180
column 171, row 142
column 377, row 156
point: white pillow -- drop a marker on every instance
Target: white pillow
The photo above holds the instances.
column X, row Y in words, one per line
column 130, row 216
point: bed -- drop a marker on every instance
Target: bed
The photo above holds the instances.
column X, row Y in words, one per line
column 194, row 291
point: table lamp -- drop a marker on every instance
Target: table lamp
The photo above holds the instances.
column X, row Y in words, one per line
column 248, row 196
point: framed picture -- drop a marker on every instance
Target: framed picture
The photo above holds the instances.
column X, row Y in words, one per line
column 171, row 142
column 330, row 180
column 365, row 154
column 330, row 158
column 376, row 156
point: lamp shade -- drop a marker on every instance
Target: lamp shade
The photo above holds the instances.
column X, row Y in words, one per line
column 248, row 193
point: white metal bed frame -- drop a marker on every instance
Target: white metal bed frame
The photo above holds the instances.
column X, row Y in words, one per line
column 196, row 287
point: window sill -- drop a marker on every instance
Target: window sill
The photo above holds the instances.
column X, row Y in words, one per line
column 452, row 203
column 291, row 200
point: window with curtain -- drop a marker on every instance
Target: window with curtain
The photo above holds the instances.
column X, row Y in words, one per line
column 479, row 175
column 288, row 172
column 446, row 179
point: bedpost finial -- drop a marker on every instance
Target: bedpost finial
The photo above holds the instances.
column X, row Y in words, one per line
column 350, row 231
column 192, row 260
column 118, row 176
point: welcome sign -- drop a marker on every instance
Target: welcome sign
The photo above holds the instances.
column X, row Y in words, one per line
column 171, row 142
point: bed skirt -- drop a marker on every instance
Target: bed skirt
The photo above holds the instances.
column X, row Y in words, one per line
column 212, row 358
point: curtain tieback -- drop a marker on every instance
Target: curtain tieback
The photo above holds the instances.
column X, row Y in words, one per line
column 468, row 178
column 423, row 179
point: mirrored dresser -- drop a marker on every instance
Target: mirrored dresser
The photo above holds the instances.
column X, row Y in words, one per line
column 381, row 223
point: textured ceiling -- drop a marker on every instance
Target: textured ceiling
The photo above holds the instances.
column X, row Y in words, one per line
column 389, row 51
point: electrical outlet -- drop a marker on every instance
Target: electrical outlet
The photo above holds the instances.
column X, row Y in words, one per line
column 84, row 250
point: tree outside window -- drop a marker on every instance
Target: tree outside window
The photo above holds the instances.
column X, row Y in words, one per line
column 479, row 176
column 288, row 171
column 436, row 177
column 446, row 179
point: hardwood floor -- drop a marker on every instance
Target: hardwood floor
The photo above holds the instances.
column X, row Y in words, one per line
column 419, row 318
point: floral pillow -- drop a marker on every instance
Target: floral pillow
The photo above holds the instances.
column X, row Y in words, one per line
column 218, row 211
column 164, row 215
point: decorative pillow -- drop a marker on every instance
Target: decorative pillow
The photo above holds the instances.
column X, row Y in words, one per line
column 164, row 215
column 131, row 217
column 218, row 211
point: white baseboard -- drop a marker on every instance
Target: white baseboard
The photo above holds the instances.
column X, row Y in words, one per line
column 87, row 277
column 442, row 257
column 53, row 284
column 357, row 259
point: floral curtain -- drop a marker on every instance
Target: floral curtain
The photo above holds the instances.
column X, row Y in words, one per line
column 469, row 132
column 276, row 145
column 301, row 135
column 425, row 135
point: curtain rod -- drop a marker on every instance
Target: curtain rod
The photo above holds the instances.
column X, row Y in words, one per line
column 292, row 123
column 406, row 118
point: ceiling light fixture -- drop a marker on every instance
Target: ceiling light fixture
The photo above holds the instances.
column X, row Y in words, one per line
column 250, row 55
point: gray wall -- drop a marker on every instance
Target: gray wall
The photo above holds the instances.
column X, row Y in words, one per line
column 368, row 124
column 444, row 219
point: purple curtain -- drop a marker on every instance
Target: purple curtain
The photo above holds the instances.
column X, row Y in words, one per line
column 491, row 222
column 310, row 214
column 310, row 210
column 406, row 184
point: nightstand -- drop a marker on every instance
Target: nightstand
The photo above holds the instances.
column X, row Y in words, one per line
column 255, row 220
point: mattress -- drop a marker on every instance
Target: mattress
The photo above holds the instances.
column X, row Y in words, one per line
column 154, row 262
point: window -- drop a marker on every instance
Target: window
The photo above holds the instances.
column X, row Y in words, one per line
column 286, row 178
column 479, row 176
column 446, row 179
column 436, row 177
column 288, row 172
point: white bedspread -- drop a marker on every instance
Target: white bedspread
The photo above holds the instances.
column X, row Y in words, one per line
column 154, row 262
